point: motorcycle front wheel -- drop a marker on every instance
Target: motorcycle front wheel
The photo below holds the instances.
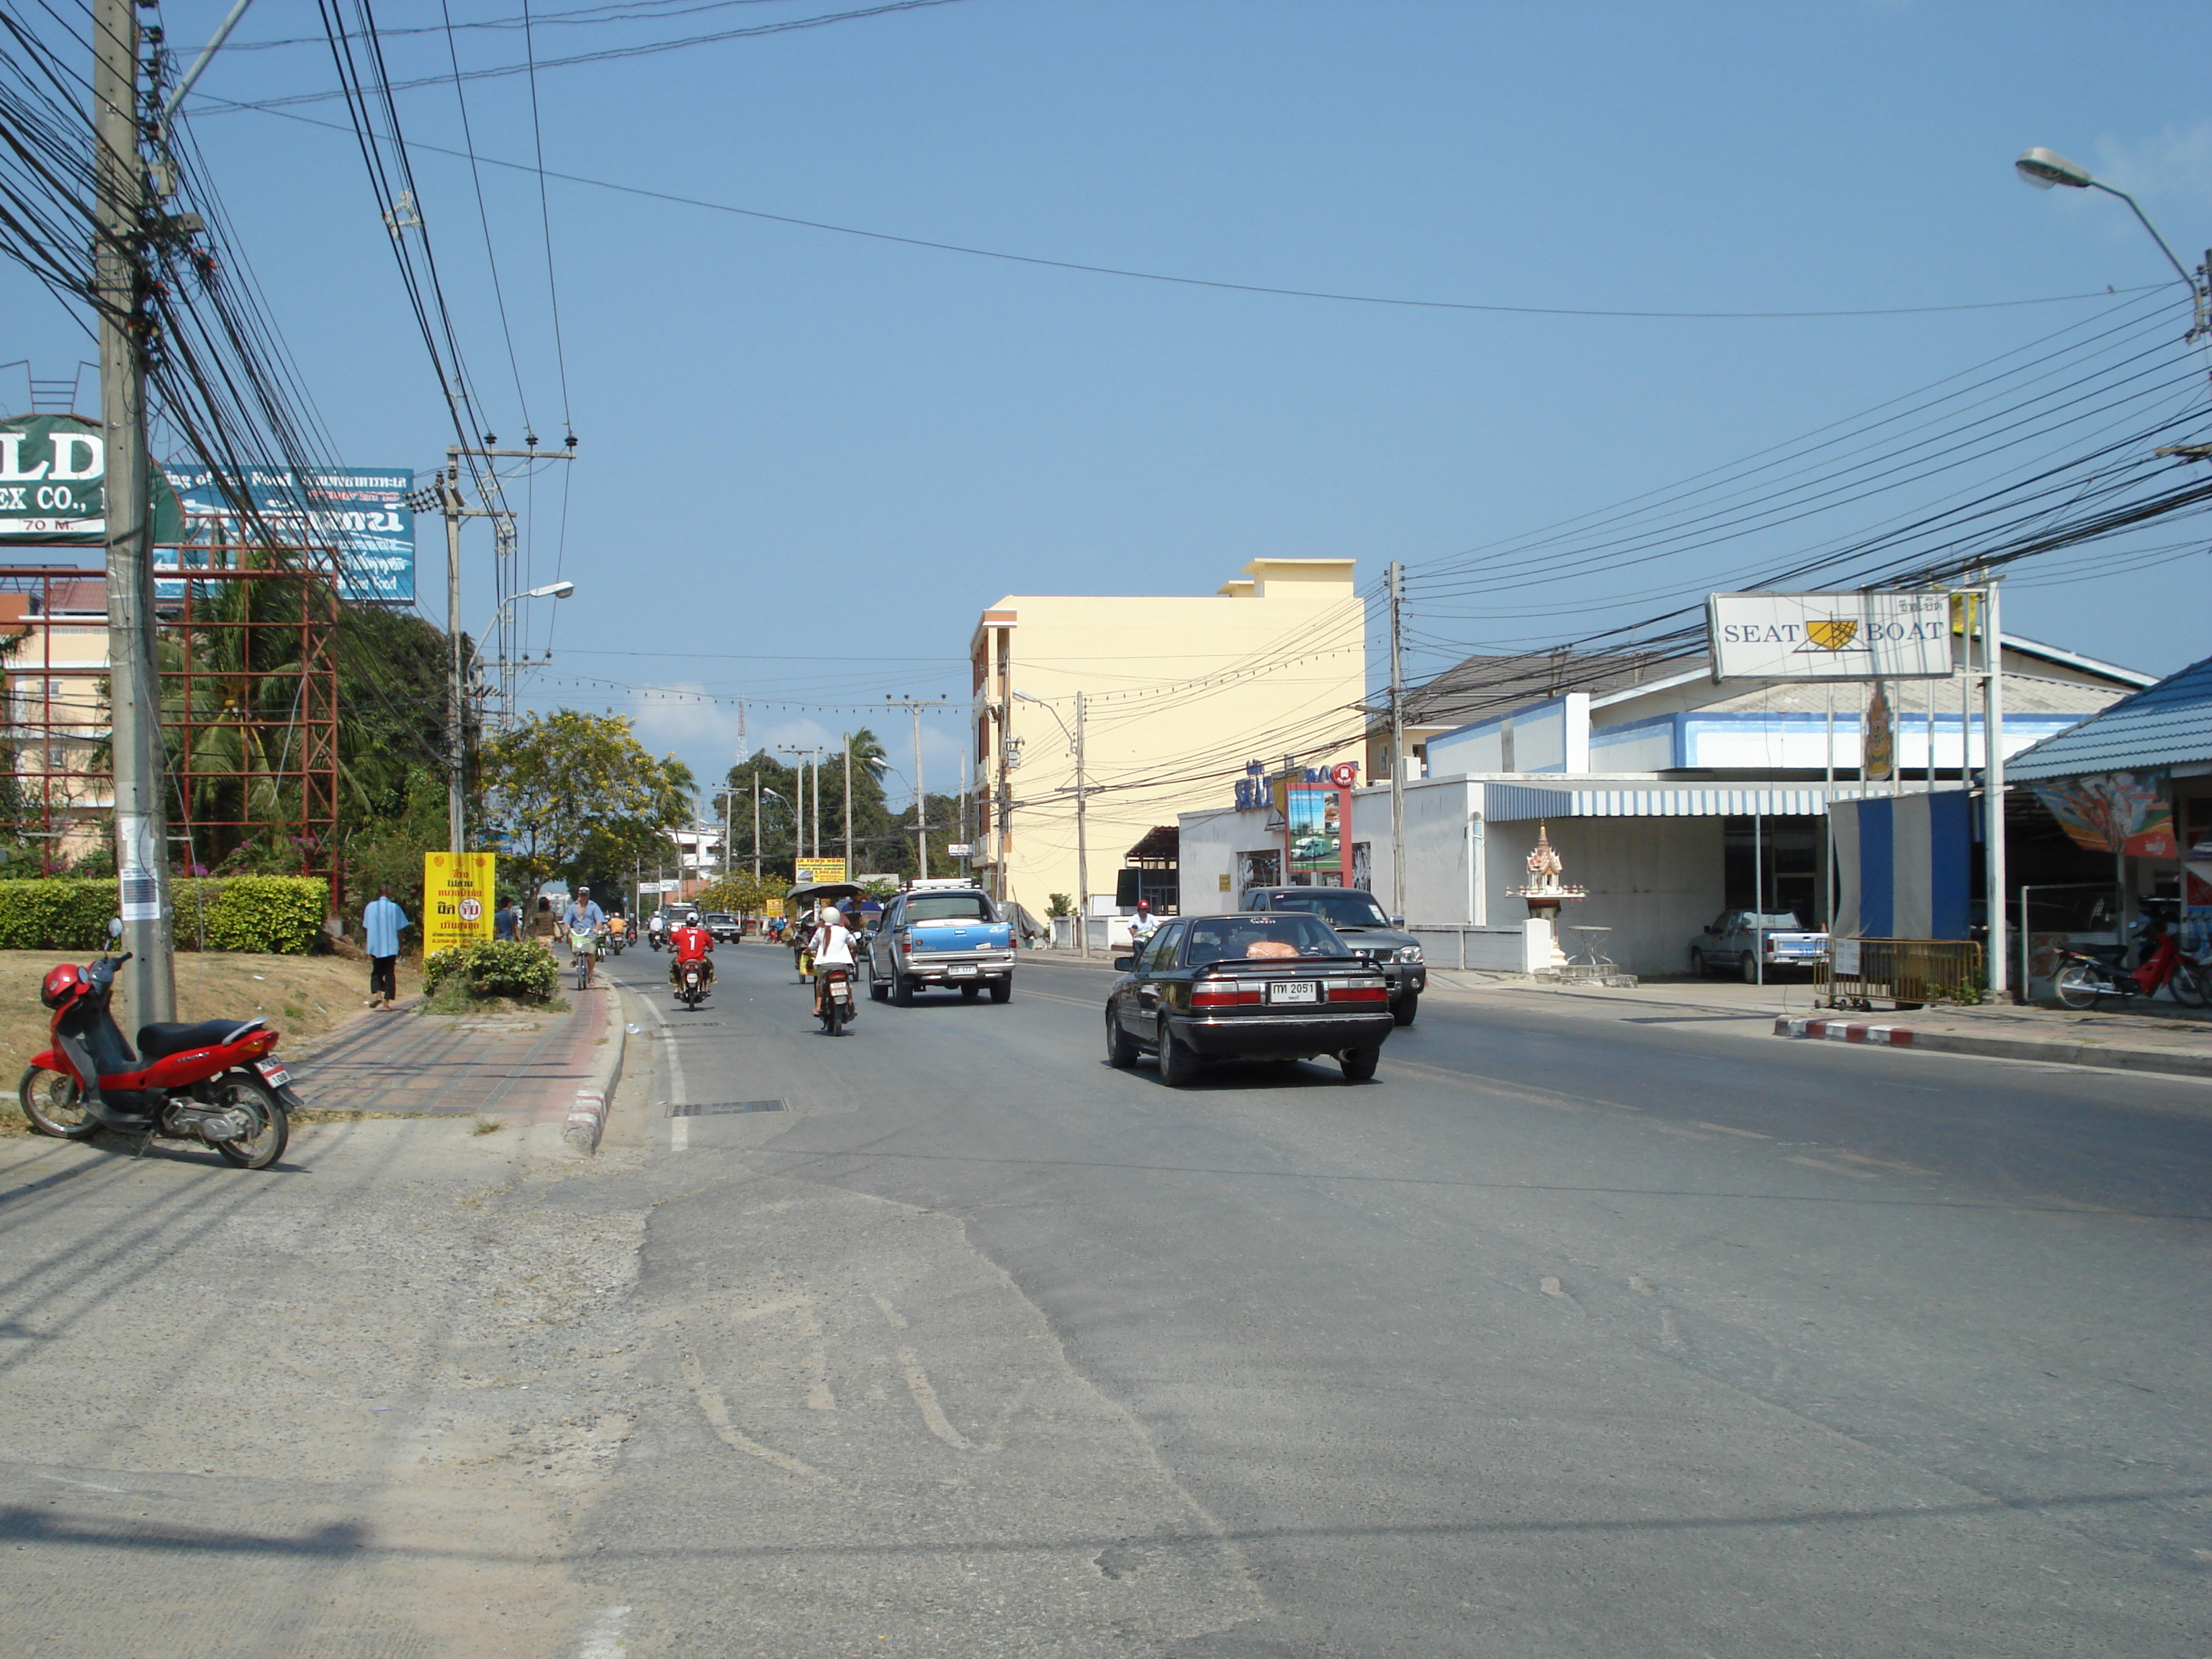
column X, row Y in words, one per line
column 2189, row 988
column 49, row 1100
column 261, row 1146
column 2078, row 985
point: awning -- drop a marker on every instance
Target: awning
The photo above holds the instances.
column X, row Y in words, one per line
column 1513, row 803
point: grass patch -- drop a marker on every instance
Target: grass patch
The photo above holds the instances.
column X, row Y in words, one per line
column 487, row 1126
column 453, row 999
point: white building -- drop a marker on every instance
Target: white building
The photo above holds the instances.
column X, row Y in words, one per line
column 1669, row 797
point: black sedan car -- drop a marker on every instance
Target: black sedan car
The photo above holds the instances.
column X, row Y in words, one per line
column 1247, row 986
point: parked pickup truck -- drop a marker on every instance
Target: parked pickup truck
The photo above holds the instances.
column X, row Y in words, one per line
column 1734, row 941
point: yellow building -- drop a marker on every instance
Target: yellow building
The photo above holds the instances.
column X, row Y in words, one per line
column 1175, row 695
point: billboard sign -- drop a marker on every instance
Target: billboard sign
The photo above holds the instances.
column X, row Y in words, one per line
column 53, row 482
column 458, row 896
column 360, row 511
column 810, row 870
column 1829, row 636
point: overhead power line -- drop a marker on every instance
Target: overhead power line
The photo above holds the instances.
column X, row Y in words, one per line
column 221, row 105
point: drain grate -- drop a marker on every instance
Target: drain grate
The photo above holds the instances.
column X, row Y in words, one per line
column 716, row 1108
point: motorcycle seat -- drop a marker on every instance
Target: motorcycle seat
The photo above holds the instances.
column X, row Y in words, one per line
column 162, row 1039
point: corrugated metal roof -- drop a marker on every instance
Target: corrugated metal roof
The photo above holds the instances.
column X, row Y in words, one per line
column 2168, row 725
column 1515, row 803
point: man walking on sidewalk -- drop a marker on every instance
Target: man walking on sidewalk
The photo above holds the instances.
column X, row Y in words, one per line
column 382, row 923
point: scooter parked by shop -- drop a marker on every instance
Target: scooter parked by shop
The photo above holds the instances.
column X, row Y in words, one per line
column 2085, row 977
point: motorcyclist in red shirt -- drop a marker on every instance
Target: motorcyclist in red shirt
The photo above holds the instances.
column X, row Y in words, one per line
column 690, row 942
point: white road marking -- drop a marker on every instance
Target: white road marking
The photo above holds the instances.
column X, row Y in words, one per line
column 679, row 1134
column 605, row 1638
column 917, row 1384
column 89, row 1485
column 1832, row 1168
column 1748, row 1134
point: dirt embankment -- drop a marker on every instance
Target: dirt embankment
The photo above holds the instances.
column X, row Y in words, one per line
column 302, row 997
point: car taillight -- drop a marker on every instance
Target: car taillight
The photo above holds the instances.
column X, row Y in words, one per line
column 1223, row 995
column 1359, row 990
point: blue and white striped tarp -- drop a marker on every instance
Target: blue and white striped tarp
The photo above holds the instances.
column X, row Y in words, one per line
column 1904, row 866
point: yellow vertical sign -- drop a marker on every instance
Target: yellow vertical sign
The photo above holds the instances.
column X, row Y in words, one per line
column 458, row 894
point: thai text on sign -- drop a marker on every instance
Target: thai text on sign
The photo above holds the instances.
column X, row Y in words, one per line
column 458, row 899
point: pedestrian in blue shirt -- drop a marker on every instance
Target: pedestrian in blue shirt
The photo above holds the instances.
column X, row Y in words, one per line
column 381, row 924
column 508, row 924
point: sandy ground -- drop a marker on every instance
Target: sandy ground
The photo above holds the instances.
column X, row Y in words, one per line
column 302, row 996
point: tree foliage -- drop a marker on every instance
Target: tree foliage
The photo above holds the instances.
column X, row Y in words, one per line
column 882, row 842
column 570, row 791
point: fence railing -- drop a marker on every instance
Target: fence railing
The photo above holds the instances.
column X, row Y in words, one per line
column 1909, row 973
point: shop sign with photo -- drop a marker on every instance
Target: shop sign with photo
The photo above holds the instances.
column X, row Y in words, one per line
column 2129, row 812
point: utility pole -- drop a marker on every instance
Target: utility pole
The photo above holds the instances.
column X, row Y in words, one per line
column 1993, row 791
column 456, row 507
column 1397, row 743
column 142, row 849
column 921, row 794
column 1082, row 845
column 756, row 875
column 848, row 807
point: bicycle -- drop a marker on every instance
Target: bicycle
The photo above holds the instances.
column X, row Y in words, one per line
column 580, row 947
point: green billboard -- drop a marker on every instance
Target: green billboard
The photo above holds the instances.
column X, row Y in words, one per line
column 53, row 483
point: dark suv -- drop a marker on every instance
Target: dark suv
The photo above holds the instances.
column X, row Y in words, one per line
column 1364, row 927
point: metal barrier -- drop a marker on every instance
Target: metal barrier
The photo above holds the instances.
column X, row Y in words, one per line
column 1908, row 973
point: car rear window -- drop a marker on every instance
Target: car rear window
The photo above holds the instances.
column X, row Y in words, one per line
column 1237, row 938
column 948, row 907
column 1346, row 909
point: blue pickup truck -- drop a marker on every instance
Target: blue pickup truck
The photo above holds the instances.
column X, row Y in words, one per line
column 945, row 934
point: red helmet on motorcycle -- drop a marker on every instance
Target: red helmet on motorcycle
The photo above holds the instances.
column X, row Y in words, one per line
column 61, row 985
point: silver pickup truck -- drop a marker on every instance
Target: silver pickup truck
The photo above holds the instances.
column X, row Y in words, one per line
column 1735, row 940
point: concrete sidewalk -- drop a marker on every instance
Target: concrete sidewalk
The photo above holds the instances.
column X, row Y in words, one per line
column 2160, row 1037
column 526, row 1067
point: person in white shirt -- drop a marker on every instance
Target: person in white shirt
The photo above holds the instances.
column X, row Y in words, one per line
column 832, row 946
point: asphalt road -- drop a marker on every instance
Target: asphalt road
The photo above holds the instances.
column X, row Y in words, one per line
column 1566, row 1335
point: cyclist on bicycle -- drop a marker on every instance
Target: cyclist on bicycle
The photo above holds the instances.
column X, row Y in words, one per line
column 583, row 920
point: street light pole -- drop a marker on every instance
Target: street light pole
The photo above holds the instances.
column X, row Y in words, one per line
column 2046, row 169
column 1397, row 746
column 456, row 507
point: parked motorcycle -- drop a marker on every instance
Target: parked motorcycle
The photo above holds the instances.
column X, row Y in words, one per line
column 2085, row 977
column 216, row 1081
column 837, row 988
column 692, row 984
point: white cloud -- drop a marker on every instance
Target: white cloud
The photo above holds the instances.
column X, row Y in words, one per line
column 2176, row 165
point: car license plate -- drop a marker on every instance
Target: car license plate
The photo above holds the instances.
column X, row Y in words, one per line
column 276, row 1075
column 1294, row 990
column 961, row 973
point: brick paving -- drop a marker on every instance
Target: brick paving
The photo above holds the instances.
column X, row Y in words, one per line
column 520, row 1064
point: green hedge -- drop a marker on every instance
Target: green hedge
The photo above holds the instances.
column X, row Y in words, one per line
column 281, row 914
column 496, row 967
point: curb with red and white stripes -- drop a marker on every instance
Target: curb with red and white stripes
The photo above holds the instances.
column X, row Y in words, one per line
column 2055, row 1051
column 588, row 1117
column 1845, row 1031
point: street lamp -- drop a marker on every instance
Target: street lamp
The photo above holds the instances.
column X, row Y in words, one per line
column 2047, row 169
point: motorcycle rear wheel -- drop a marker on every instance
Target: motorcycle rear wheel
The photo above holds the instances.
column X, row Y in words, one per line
column 241, row 1091
column 50, row 1101
column 2078, row 985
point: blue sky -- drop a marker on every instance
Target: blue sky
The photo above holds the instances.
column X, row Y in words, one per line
column 807, row 460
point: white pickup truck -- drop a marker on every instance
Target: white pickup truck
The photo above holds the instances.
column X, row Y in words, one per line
column 1735, row 940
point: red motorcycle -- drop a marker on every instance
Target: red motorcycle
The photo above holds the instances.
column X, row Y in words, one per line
column 213, row 1082
column 2086, row 975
